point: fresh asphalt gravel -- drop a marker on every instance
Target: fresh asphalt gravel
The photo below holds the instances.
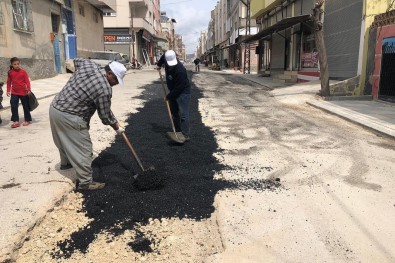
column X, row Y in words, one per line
column 187, row 171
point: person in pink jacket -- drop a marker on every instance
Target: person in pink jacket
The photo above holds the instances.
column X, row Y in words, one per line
column 18, row 87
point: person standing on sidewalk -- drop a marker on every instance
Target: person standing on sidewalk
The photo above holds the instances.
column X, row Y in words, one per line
column 18, row 87
column 179, row 91
column 1, row 99
column 88, row 90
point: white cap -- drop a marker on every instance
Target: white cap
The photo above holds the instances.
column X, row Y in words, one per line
column 119, row 70
column 171, row 58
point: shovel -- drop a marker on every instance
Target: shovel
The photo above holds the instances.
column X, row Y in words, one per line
column 177, row 137
column 148, row 179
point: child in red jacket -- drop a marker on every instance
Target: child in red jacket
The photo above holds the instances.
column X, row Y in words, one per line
column 1, row 98
column 18, row 87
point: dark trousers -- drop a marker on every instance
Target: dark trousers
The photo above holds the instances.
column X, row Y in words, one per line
column 1, row 98
column 180, row 112
column 14, row 101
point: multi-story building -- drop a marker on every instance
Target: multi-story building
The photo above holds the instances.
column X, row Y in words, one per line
column 134, row 29
column 356, row 49
column 178, row 46
column 168, row 32
column 44, row 33
column 285, row 41
column 377, row 67
column 202, row 45
column 210, row 34
column 226, row 30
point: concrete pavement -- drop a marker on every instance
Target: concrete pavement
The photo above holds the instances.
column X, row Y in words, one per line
column 370, row 114
column 42, row 88
column 374, row 115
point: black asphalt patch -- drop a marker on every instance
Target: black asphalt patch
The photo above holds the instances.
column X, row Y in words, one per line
column 187, row 170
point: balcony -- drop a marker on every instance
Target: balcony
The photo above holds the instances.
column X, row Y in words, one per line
column 104, row 5
column 141, row 23
column 139, row 3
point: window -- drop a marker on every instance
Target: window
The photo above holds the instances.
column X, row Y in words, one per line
column 109, row 14
column 95, row 17
column 81, row 9
column 68, row 3
column 1, row 16
column 22, row 13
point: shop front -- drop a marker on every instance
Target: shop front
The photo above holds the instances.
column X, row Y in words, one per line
column 145, row 47
column 288, row 45
column 118, row 40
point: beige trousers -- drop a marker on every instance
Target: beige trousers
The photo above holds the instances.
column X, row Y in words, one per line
column 70, row 134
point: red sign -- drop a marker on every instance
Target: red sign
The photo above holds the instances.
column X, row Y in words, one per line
column 310, row 60
column 118, row 39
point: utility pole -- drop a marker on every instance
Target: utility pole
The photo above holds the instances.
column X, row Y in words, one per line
column 133, row 34
column 320, row 43
column 247, row 55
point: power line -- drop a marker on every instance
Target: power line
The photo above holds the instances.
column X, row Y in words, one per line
column 173, row 3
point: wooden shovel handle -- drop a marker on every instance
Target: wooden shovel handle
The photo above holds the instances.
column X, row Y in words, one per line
column 133, row 151
column 167, row 102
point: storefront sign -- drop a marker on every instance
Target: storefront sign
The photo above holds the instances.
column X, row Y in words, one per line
column 118, row 39
column 310, row 60
column 147, row 36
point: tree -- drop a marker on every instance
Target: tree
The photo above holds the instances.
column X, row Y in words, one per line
column 320, row 43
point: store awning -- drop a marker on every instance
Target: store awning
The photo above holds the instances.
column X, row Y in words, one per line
column 160, row 39
column 279, row 26
column 229, row 46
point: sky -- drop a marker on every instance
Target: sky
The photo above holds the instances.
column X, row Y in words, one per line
column 192, row 17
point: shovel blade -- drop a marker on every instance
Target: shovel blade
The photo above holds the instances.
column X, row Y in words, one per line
column 176, row 137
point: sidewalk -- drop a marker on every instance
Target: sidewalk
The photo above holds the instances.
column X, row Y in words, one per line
column 42, row 88
column 370, row 114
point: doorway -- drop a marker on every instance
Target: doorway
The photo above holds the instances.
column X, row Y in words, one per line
column 387, row 74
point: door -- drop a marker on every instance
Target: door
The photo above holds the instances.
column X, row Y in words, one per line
column 387, row 74
column 55, row 20
column 69, row 33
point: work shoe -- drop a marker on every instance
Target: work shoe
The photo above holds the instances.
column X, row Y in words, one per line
column 91, row 187
column 26, row 123
column 1, row 121
column 66, row 166
column 15, row 124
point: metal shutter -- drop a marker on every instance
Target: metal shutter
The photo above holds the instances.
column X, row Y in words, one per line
column 278, row 52
column 342, row 32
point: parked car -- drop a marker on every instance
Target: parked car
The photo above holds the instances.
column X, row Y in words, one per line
column 102, row 58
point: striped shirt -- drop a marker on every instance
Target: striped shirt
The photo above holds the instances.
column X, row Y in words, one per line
column 86, row 91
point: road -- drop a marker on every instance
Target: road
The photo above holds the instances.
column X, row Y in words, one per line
column 265, row 178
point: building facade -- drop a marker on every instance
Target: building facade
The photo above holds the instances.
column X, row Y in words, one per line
column 285, row 41
column 44, row 33
column 225, row 32
column 378, row 68
column 137, row 26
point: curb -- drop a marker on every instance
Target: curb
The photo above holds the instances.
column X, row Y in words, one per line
column 362, row 120
column 257, row 82
column 337, row 98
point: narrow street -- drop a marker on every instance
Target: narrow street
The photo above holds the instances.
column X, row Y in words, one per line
column 265, row 178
